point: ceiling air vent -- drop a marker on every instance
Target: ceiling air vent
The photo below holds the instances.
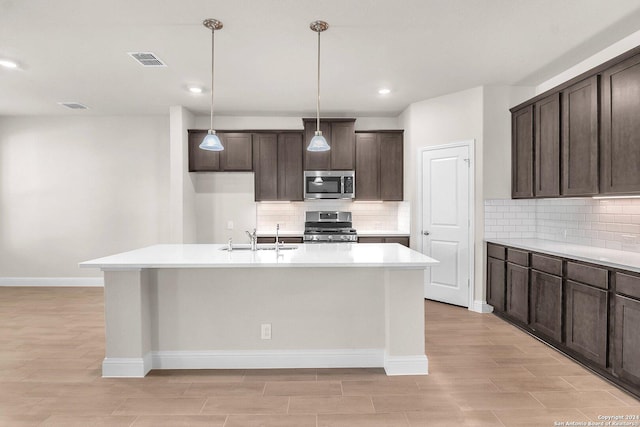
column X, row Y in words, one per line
column 73, row 105
column 147, row 59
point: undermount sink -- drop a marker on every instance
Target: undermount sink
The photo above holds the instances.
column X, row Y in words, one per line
column 260, row 248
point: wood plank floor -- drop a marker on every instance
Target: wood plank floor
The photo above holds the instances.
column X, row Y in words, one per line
column 483, row 372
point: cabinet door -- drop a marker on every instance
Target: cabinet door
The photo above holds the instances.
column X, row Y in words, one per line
column 202, row 160
column 265, row 148
column 317, row 160
column 290, row 173
column 586, row 321
column 626, row 342
column 621, row 128
column 496, row 283
column 370, row 239
column 391, row 166
column 238, row 152
column 343, row 145
column 517, row 305
column 580, row 138
column 547, row 146
column 367, row 166
column 522, row 153
column 404, row 241
column 546, row 304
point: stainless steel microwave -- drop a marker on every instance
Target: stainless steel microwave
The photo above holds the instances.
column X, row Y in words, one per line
column 329, row 184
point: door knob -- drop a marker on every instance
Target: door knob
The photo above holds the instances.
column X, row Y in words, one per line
column 426, row 233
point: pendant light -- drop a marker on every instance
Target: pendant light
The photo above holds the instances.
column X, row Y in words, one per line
column 211, row 142
column 318, row 142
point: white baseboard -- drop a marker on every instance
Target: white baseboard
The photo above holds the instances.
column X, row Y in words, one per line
column 406, row 365
column 481, row 307
column 122, row 367
column 52, row 281
column 347, row 358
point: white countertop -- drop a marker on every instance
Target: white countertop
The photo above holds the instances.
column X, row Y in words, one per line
column 304, row 255
column 608, row 257
column 383, row 233
column 300, row 233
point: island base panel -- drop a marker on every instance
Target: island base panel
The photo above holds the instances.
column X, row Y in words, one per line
column 211, row 319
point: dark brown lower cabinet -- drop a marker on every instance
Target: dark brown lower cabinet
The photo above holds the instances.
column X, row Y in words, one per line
column 587, row 311
column 272, row 239
column 546, row 304
column 626, row 342
column 517, row 305
column 403, row 240
column 496, row 283
column 586, row 321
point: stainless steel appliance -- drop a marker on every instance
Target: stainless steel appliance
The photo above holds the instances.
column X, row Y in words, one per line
column 329, row 184
column 329, row 227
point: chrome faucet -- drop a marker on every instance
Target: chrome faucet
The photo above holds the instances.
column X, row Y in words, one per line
column 229, row 245
column 253, row 238
column 277, row 239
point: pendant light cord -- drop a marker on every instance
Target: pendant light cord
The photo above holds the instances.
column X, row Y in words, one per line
column 213, row 32
column 318, row 97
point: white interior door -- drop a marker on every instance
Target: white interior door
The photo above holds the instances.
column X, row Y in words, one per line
column 446, row 230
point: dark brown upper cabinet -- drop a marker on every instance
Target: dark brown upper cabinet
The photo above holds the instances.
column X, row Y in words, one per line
column 391, row 166
column 278, row 166
column 547, row 147
column 236, row 156
column 522, row 153
column 367, row 166
column 379, row 171
column 620, row 170
column 580, row 138
column 290, row 169
column 340, row 134
column 265, row 165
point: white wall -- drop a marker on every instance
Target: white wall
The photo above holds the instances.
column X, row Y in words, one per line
column 443, row 120
column 286, row 122
column 618, row 48
column 182, row 192
column 76, row 188
column 222, row 197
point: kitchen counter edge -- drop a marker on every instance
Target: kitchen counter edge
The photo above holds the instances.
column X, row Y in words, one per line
column 612, row 258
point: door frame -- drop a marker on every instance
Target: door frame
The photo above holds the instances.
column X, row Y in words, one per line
column 470, row 144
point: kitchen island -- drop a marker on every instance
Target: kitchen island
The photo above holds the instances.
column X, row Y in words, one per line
column 304, row 306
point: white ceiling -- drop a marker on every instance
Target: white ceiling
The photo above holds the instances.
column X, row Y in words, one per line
column 76, row 50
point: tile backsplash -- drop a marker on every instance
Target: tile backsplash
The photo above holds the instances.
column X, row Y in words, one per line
column 606, row 223
column 369, row 216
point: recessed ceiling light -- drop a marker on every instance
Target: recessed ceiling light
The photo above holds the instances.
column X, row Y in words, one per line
column 8, row 64
column 195, row 89
column 384, row 91
column 74, row 105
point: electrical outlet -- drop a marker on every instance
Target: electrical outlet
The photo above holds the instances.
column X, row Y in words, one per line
column 229, row 225
column 265, row 331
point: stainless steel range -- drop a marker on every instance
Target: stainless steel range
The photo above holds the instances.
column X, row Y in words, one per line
column 329, row 227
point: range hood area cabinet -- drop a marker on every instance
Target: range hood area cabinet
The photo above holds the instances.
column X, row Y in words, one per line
column 277, row 163
column 237, row 155
column 340, row 134
column 581, row 138
column 379, row 165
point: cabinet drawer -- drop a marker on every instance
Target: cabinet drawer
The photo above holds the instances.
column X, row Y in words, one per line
column 495, row 251
column 588, row 274
column 628, row 285
column 547, row 264
column 518, row 257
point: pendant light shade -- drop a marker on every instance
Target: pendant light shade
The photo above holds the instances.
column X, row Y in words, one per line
column 318, row 142
column 211, row 142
